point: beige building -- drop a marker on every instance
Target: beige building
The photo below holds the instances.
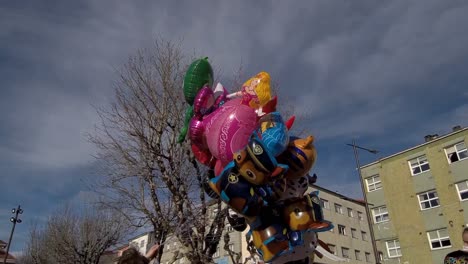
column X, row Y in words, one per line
column 418, row 199
column 349, row 239
column 350, row 236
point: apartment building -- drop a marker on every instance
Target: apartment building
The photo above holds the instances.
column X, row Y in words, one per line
column 349, row 239
column 236, row 244
column 350, row 236
column 418, row 199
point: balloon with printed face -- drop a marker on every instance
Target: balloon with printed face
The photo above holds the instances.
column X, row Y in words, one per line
column 236, row 192
column 305, row 214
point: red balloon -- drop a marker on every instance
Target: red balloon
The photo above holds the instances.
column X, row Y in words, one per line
column 196, row 133
column 203, row 156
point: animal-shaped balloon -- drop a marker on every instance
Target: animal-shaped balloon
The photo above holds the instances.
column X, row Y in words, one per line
column 256, row 164
column 305, row 214
column 237, row 192
column 271, row 241
column 300, row 156
column 274, row 133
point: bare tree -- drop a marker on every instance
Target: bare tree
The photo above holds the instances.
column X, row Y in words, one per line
column 78, row 237
column 149, row 177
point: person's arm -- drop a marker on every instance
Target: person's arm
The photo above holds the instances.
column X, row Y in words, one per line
column 151, row 254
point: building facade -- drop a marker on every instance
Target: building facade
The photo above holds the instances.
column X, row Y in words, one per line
column 221, row 256
column 349, row 239
column 350, row 236
column 418, row 199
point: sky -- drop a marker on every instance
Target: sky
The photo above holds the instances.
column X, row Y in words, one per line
column 385, row 73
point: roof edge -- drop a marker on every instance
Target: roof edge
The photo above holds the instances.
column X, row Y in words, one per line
column 415, row 147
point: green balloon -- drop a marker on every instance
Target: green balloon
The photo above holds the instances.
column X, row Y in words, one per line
column 198, row 74
column 184, row 130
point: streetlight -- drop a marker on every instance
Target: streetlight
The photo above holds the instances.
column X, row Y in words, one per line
column 14, row 220
column 369, row 220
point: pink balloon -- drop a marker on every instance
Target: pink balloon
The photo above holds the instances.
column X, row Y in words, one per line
column 228, row 129
column 203, row 102
column 196, row 130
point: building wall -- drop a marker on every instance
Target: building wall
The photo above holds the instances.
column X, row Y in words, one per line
column 408, row 222
column 239, row 243
column 338, row 240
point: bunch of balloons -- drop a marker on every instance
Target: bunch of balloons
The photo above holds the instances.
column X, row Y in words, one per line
column 258, row 169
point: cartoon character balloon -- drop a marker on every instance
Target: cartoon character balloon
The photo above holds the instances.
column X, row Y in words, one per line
column 261, row 170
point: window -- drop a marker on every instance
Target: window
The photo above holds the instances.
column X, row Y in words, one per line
column 380, row 214
column 357, row 253
column 359, row 216
column 332, row 248
column 418, row 165
column 456, row 152
column 342, row 230
column 350, row 212
column 345, row 252
column 373, row 183
column 462, row 188
column 368, row 259
column 325, row 204
column 439, row 239
column 338, row 208
column 229, row 228
column 428, row 200
column 142, row 243
column 231, row 248
column 364, row 235
column 354, row 233
column 393, row 248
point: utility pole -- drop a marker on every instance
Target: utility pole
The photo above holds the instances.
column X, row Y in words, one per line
column 14, row 220
column 361, row 180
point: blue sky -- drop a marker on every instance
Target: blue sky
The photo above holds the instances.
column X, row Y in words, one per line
column 384, row 72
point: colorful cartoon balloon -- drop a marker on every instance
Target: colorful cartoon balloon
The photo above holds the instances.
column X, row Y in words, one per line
column 256, row 164
column 228, row 129
column 274, row 133
column 237, row 192
column 300, row 156
column 303, row 214
column 262, row 172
